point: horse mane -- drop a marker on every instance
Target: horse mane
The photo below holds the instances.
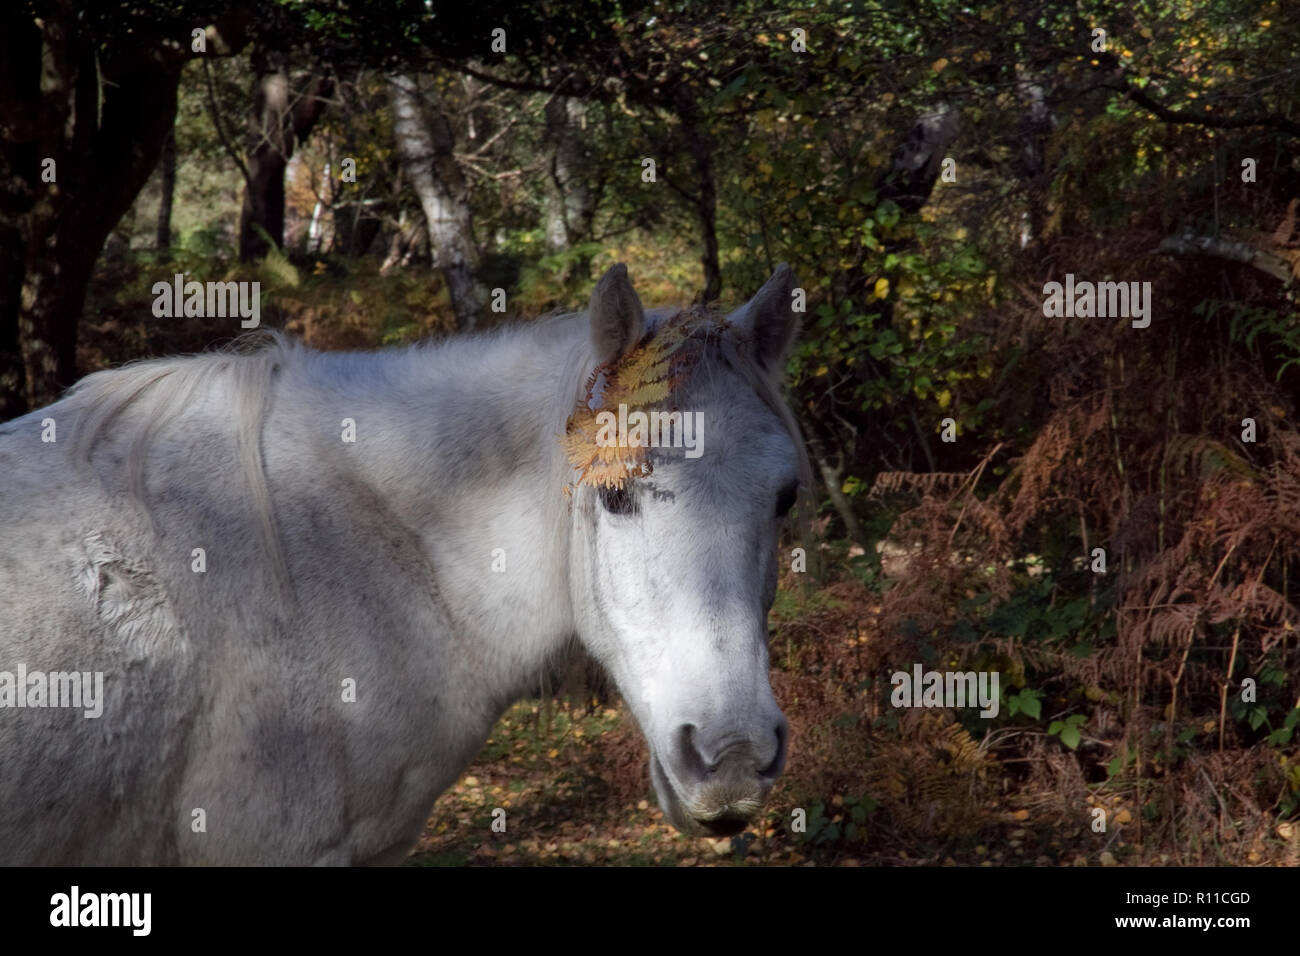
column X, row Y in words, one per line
column 157, row 388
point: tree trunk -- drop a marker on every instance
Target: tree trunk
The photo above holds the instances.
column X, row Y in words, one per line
column 408, row 246
column 426, row 144
column 356, row 225
column 13, row 391
column 103, row 151
column 1034, row 132
column 918, row 160
column 832, row 474
column 163, row 240
column 277, row 124
column 267, row 157
column 84, row 125
column 20, row 58
column 700, row 145
column 570, row 196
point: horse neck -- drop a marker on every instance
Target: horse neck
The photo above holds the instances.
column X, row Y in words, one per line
column 461, row 442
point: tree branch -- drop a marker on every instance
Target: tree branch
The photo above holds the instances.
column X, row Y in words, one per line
column 1188, row 245
column 1139, row 96
column 221, row 133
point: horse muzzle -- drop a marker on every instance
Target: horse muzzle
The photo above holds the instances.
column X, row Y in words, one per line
column 717, row 786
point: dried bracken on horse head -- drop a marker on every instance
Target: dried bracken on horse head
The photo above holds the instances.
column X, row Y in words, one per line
column 647, row 375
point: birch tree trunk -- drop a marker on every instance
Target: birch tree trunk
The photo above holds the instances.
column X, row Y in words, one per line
column 570, row 193
column 425, row 143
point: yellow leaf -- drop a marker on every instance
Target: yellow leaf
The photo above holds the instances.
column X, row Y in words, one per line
column 882, row 288
column 939, row 64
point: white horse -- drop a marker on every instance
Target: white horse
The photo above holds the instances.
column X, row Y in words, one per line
column 304, row 639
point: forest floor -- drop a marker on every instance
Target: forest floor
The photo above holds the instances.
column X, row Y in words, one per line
column 571, row 796
column 573, row 782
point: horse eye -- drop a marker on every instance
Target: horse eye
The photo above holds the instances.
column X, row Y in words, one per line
column 785, row 500
column 617, row 501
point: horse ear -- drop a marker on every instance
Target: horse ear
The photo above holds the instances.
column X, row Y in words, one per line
column 769, row 319
column 617, row 319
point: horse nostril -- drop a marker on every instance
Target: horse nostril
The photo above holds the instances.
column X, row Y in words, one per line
column 689, row 758
column 773, row 770
column 733, row 757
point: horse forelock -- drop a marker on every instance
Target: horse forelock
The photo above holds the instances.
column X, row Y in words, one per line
column 716, row 344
